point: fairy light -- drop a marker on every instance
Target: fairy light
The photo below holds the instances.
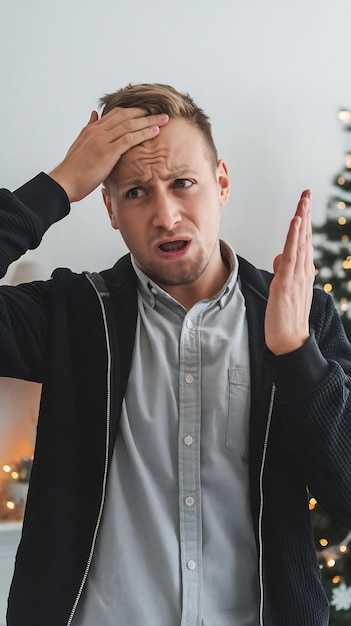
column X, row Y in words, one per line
column 345, row 238
column 10, row 505
column 348, row 161
column 312, row 504
column 14, row 475
column 328, row 287
column 342, row 221
column 341, row 180
column 342, row 205
column 345, row 116
column 7, row 468
column 343, row 305
column 343, row 549
column 347, row 263
column 330, row 562
column 336, row 580
column 323, row 542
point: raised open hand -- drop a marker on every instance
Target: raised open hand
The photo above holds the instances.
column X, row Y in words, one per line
column 290, row 294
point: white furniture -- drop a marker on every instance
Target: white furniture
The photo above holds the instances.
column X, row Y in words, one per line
column 10, row 533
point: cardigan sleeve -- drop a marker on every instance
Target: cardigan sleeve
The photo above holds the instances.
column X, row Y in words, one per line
column 25, row 215
column 314, row 400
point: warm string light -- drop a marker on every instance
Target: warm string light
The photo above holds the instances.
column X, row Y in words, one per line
column 17, row 475
column 331, row 554
column 312, row 504
column 345, row 116
column 20, row 471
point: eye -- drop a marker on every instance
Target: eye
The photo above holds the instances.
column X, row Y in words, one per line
column 181, row 183
column 134, row 193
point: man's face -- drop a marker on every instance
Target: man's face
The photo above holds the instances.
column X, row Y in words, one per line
column 165, row 197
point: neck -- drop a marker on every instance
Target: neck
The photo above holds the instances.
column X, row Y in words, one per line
column 202, row 289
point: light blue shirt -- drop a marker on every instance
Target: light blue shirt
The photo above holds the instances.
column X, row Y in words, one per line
column 176, row 545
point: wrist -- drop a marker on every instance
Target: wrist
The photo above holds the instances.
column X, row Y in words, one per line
column 59, row 176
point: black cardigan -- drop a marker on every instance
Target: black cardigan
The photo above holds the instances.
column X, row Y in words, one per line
column 75, row 333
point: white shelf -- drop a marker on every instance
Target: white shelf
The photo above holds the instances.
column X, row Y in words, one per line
column 10, row 533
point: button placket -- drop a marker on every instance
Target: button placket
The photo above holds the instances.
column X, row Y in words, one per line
column 189, row 463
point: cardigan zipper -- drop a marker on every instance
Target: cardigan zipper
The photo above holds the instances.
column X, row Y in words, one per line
column 260, row 517
column 107, row 447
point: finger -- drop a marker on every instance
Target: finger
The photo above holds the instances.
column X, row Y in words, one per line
column 129, row 140
column 309, row 263
column 134, row 131
column 301, row 252
column 304, row 262
column 305, row 196
column 297, row 240
column 118, row 114
column 287, row 263
column 94, row 116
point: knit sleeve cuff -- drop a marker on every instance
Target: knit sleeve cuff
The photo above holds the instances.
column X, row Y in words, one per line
column 297, row 372
column 45, row 198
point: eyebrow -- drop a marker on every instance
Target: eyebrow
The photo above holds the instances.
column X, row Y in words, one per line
column 135, row 182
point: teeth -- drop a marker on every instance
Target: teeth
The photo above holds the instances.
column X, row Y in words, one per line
column 172, row 245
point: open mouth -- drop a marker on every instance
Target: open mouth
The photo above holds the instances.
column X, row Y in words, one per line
column 172, row 246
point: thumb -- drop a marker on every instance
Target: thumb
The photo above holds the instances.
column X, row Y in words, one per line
column 276, row 263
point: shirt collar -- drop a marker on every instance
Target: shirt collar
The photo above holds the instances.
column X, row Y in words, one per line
column 150, row 291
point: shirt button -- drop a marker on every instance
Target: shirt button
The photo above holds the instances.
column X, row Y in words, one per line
column 189, row 324
column 191, row 564
column 154, row 291
column 189, row 379
column 188, row 440
column 189, row 501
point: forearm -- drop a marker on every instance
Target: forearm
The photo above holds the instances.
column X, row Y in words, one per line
column 314, row 400
column 26, row 214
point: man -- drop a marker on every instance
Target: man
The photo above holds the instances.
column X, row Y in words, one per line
column 188, row 398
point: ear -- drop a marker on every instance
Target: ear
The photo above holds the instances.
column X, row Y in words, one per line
column 223, row 182
column 107, row 200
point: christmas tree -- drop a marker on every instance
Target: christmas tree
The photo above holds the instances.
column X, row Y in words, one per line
column 332, row 240
column 332, row 244
column 332, row 543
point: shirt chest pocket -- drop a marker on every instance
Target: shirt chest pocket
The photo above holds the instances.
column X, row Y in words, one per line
column 237, row 434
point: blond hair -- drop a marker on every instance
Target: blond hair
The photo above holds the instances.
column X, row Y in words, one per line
column 157, row 98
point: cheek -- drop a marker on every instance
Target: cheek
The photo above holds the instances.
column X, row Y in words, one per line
column 132, row 232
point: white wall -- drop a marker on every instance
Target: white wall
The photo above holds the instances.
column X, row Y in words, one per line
column 272, row 76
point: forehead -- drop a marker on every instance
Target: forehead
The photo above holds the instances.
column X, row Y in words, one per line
column 178, row 146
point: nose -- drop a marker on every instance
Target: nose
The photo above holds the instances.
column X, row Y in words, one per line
column 166, row 212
